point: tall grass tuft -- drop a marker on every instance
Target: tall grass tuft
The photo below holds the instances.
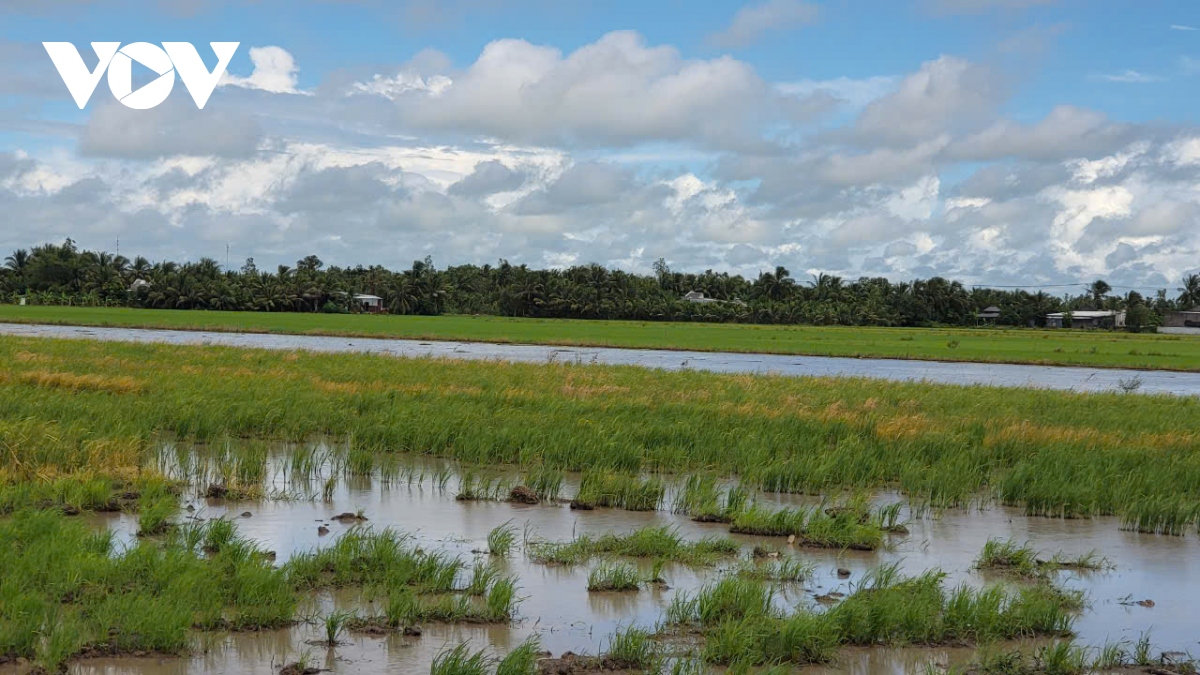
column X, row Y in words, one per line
column 501, row 539
column 662, row 543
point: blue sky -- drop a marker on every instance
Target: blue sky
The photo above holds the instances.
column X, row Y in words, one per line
column 994, row 140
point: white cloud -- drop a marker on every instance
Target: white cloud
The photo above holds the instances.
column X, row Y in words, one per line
column 274, row 71
column 1130, row 76
column 945, row 94
column 753, row 21
column 616, row 91
column 1179, row 26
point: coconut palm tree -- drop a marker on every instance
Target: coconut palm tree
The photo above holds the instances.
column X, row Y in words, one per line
column 1189, row 293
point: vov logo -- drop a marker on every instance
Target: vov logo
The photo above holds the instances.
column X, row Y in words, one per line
column 171, row 58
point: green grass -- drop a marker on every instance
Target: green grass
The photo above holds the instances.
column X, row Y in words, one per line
column 1021, row 560
column 86, row 411
column 660, row 543
column 614, row 577
column 66, row 587
column 459, row 660
column 741, row 625
column 1090, row 348
column 501, row 539
column 816, row 526
column 703, row 499
column 610, row 489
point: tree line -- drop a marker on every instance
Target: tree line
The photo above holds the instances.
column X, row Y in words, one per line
column 63, row 274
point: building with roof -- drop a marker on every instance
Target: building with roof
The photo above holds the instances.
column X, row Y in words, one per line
column 1183, row 322
column 1087, row 318
column 988, row 315
column 369, row 303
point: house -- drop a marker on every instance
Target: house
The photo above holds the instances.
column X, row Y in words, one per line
column 369, row 303
column 988, row 315
column 138, row 286
column 1185, row 322
column 698, row 298
column 1087, row 318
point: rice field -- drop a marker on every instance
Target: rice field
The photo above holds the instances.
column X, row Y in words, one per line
column 986, row 345
column 709, row 518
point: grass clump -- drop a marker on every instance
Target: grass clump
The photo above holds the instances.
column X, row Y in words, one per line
column 608, row 489
column 67, row 588
column 522, row 660
column 663, row 543
column 385, row 558
column 742, row 626
column 460, row 660
column 501, row 539
column 475, row 486
column 614, row 577
column 545, row 482
column 1022, row 560
column 702, row 498
column 812, row 526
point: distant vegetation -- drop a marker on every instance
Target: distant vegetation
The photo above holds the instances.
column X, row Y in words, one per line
column 55, row 274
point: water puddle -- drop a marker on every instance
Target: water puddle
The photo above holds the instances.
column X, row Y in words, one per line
column 988, row 374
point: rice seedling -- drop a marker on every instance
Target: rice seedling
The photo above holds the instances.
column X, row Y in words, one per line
column 1051, row 453
column 729, row 599
column 83, row 590
column 1022, row 560
column 522, row 660
column 615, row 577
column 702, row 499
column 459, row 660
column 742, row 626
column 812, row 526
column 474, row 486
column 501, row 599
column 545, row 482
column 155, row 517
column 364, row 557
column 663, row 543
column 501, row 539
column 334, row 623
column 633, row 649
column 482, row 578
column 605, row 488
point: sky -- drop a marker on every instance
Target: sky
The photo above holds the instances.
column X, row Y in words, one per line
column 1025, row 143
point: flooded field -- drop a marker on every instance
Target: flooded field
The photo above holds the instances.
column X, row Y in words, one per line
column 1149, row 584
column 987, row 374
column 178, row 508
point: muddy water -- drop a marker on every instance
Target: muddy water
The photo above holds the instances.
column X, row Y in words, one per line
column 1002, row 375
column 558, row 608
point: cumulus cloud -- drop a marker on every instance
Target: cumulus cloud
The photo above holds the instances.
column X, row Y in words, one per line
column 617, row 90
column 944, row 95
column 753, row 21
column 275, row 71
